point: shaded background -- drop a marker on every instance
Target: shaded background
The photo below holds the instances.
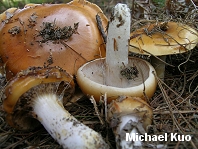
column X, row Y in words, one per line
column 175, row 103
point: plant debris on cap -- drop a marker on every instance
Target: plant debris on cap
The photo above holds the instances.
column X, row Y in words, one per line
column 68, row 33
column 7, row 15
column 26, row 86
column 52, row 32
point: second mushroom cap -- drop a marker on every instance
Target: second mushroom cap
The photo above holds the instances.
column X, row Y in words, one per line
column 163, row 38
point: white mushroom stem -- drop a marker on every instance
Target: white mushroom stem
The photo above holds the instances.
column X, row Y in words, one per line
column 129, row 117
column 126, row 127
column 129, row 133
column 159, row 65
column 63, row 127
column 117, row 43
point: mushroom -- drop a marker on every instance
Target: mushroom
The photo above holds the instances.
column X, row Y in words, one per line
column 37, row 95
column 119, row 78
column 161, row 39
column 64, row 35
column 117, row 74
column 7, row 14
column 129, row 117
column 141, row 81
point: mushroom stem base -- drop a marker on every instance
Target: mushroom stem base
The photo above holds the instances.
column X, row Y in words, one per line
column 129, row 134
column 159, row 65
column 63, row 127
column 128, row 125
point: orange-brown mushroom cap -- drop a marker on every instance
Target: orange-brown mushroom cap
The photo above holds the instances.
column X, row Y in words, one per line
column 131, row 106
column 163, row 39
column 25, row 37
column 26, row 85
column 6, row 15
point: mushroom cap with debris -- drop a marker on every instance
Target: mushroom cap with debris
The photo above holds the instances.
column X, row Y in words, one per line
column 163, row 38
column 64, row 35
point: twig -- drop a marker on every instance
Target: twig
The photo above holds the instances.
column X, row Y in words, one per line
column 100, row 27
column 188, row 58
column 174, row 112
column 105, row 104
column 153, row 56
column 170, row 103
column 194, row 4
column 13, row 145
column 189, row 96
column 96, row 109
column 193, row 76
column 66, row 45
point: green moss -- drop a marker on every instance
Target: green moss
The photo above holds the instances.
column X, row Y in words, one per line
column 159, row 3
column 5, row 4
